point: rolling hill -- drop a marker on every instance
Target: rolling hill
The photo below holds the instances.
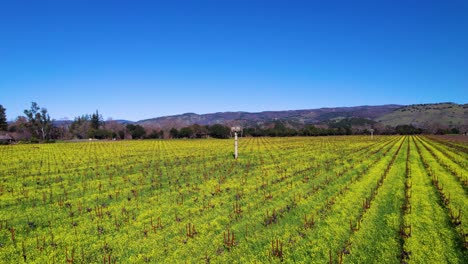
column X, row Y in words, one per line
column 426, row 116
column 308, row 116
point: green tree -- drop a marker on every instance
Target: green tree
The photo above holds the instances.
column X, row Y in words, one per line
column 219, row 131
column 96, row 120
column 407, row 130
column 186, row 132
column 174, row 133
column 39, row 121
column 3, row 119
column 121, row 134
column 80, row 126
column 136, row 131
column 99, row 133
column 156, row 134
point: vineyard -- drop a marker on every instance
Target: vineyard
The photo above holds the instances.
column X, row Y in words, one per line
column 311, row 200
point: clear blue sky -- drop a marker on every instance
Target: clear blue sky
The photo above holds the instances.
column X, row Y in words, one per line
column 142, row 59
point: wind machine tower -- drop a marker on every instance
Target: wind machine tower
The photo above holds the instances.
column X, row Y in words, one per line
column 235, row 130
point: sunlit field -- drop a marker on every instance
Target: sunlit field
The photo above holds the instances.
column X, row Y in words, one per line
column 311, row 200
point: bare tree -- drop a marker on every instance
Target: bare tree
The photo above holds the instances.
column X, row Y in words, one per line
column 19, row 129
column 116, row 128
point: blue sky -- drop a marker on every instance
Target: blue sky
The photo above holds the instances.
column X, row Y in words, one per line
column 141, row 59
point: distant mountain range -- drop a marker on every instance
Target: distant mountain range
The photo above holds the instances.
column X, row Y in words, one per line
column 426, row 116
column 423, row 115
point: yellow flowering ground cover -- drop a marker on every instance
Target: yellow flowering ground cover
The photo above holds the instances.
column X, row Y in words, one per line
column 308, row 200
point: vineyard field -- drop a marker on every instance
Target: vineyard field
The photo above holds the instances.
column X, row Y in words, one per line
column 341, row 199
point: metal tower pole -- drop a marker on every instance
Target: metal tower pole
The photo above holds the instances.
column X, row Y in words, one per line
column 235, row 145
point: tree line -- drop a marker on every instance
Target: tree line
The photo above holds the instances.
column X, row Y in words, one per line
column 37, row 126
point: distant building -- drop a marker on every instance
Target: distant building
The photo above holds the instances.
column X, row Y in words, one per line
column 6, row 139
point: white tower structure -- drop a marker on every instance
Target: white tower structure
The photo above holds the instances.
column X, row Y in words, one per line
column 235, row 130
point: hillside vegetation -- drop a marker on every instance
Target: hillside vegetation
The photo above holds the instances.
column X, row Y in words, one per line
column 430, row 118
column 299, row 117
column 428, row 115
